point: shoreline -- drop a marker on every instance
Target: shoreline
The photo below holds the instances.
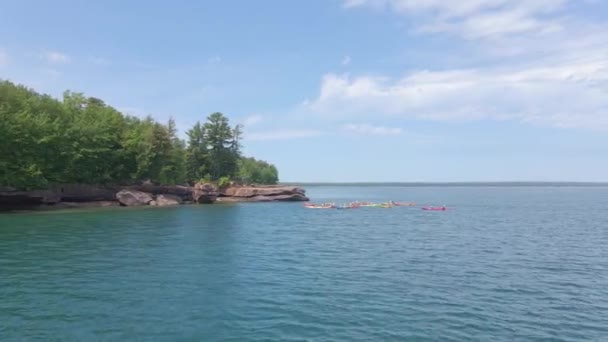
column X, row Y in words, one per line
column 79, row 196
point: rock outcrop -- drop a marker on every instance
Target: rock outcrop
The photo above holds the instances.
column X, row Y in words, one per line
column 164, row 200
column 262, row 194
column 11, row 197
column 84, row 192
column 82, row 195
column 184, row 193
column 250, row 191
column 204, row 193
column 55, row 194
column 133, row 198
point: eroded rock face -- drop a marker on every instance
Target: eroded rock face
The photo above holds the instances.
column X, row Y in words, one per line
column 263, row 194
column 134, row 198
column 297, row 197
column 183, row 192
column 83, row 192
column 164, row 200
column 204, row 193
column 248, row 191
column 83, row 195
column 35, row 197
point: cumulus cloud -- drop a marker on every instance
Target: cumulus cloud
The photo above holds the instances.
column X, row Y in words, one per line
column 537, row 66
column 565, row 95
column 55, row 57
column 474, row 19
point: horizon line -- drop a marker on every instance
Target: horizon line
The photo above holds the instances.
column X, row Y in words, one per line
column 412, row 183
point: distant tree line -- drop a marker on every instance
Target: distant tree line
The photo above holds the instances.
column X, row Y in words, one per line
column 82, row 140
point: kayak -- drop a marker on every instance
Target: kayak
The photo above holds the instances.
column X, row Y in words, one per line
column 404, row 204
column 347, row 207
column 319, row 206
column 435, row 208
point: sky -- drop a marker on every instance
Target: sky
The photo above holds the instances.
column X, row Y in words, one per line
column 344, row 90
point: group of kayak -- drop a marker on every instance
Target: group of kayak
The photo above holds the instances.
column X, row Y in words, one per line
column 357, row 204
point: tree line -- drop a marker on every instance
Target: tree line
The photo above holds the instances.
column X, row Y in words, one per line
column 81, row 139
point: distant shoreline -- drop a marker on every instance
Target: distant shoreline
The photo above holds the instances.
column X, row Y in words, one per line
column 454, row 184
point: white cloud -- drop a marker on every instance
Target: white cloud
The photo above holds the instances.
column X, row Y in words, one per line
column 565, row 95
column 54, row 57
column 3, row 58
column 538, row 64
column 278, row 134
column 252, row 120
column 367, row 129
column 475, row 19
column 346, row 60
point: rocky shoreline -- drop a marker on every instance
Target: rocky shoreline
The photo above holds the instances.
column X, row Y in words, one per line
column 85, row 196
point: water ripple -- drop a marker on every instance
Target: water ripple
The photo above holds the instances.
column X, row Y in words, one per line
column 503, row 266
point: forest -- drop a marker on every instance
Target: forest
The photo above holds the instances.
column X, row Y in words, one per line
column 83, row 140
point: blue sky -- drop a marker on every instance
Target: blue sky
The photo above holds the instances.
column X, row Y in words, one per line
column 344, row 90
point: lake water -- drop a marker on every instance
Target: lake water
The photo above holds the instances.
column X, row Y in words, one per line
column 502, row 264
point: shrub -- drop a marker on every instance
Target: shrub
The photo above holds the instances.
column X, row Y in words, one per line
column 223, row 182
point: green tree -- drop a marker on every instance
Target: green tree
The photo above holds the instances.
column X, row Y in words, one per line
column 196, row 153
column 237, row 136
column 174, row 168
column 81, row 139
column 257, row 171
column 221, row 148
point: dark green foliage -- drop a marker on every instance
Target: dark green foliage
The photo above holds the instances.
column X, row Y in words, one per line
column 257, row 171
column 82, row 140
column 221, row 154
column 214, row 149
column 223, row 182
column 196, row 154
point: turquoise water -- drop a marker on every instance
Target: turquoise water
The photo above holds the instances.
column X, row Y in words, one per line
column 503, row 264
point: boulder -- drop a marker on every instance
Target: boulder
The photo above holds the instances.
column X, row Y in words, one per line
column 204, row 193
column 163, row 200
column 133, row 198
